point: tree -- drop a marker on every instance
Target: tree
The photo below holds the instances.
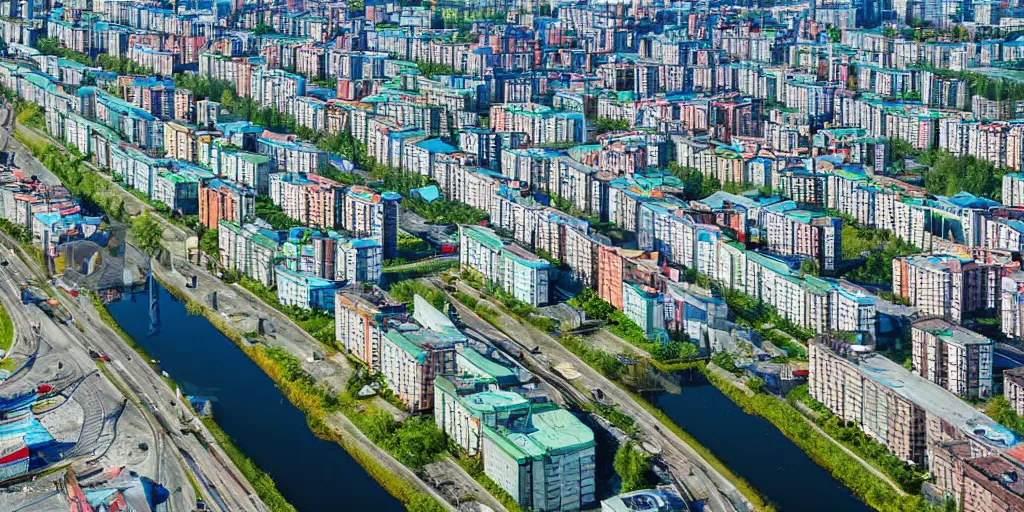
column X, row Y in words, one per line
column 147, row 233
column 209, row 243
column 227, row 98
column 632, row 466
column 604, row 125
column 810, row 266
column 834, row 34
column 755, row 384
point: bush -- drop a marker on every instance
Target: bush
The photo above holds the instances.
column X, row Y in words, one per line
column 633, row 467
column 406, row 290
column 415, row 442
column 605, row 363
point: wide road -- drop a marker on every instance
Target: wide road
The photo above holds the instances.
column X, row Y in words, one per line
column 223, row 485
column 695, row 474
column 221, row 481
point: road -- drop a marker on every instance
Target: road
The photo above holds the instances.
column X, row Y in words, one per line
column 695, row 474
column 131, row 374
column 145, row 384
column 53, row 341
column 223, row 484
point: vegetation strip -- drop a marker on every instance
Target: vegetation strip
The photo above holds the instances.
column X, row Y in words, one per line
column 844, row 468
column 88, row 185
column 317, row 403
column 260, row 480
column 6, row 331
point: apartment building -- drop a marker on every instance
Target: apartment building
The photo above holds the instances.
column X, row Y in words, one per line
column 369, row 214
column 979, row 480
column 304, row 290
column 945, row 286
column 543, row 124
column 903, row 411
column 1013, row 189
column 516, row 270
column 313, row 200
column 952, row 357
column 180, row 141
column 413, row 353
column 547, row 464
column 221, row 199
column 789, row 230
column 275, row 88
column 463, row 405
column 646, row 307
column 1013, row 388
column 250, row 249
column 288, row 154
column 360, row 317
column 1011, row 305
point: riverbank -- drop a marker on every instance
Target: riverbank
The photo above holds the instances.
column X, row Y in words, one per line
column 260, row 481
column 328, row 415
column 398, row 480
column 875, row 492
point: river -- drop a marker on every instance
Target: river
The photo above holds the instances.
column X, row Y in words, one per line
column 755, row 450
column 312, row 474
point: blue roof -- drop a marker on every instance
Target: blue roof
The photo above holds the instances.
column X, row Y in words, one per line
column 437, row 146
column 968, row 200
column 429, row 193
column 361, row 243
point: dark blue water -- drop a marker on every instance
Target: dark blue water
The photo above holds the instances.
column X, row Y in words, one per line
column 755, row 450
column 312, row 474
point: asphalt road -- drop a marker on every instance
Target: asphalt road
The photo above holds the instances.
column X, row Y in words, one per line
column 224, row 487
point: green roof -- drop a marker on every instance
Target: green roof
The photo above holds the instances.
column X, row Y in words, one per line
column 493, row 401
column 483, row 235
column 554, row 431
column 404, row 343
column 485, row 366
column 252, row 158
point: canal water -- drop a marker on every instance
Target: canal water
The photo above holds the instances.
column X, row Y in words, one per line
column 312, row 474
column 755, row 450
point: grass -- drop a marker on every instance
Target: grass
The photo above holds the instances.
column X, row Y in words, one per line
column 260, row 480
column 850, row 472
column 32, row 141
column 419, row 269
column 317, row 323
column 6, row 330
column 9, row 364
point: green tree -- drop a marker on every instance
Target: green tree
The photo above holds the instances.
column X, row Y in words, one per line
column 210, row 243
column 227, row 98
column 633, row 467
column 810, row 266
column 604, row 125
column 755, row 384
column 147, row 233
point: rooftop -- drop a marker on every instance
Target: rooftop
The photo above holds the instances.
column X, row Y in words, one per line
column 552, row 432
column 645, row 500
column 951, row 333
column 935, row 399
